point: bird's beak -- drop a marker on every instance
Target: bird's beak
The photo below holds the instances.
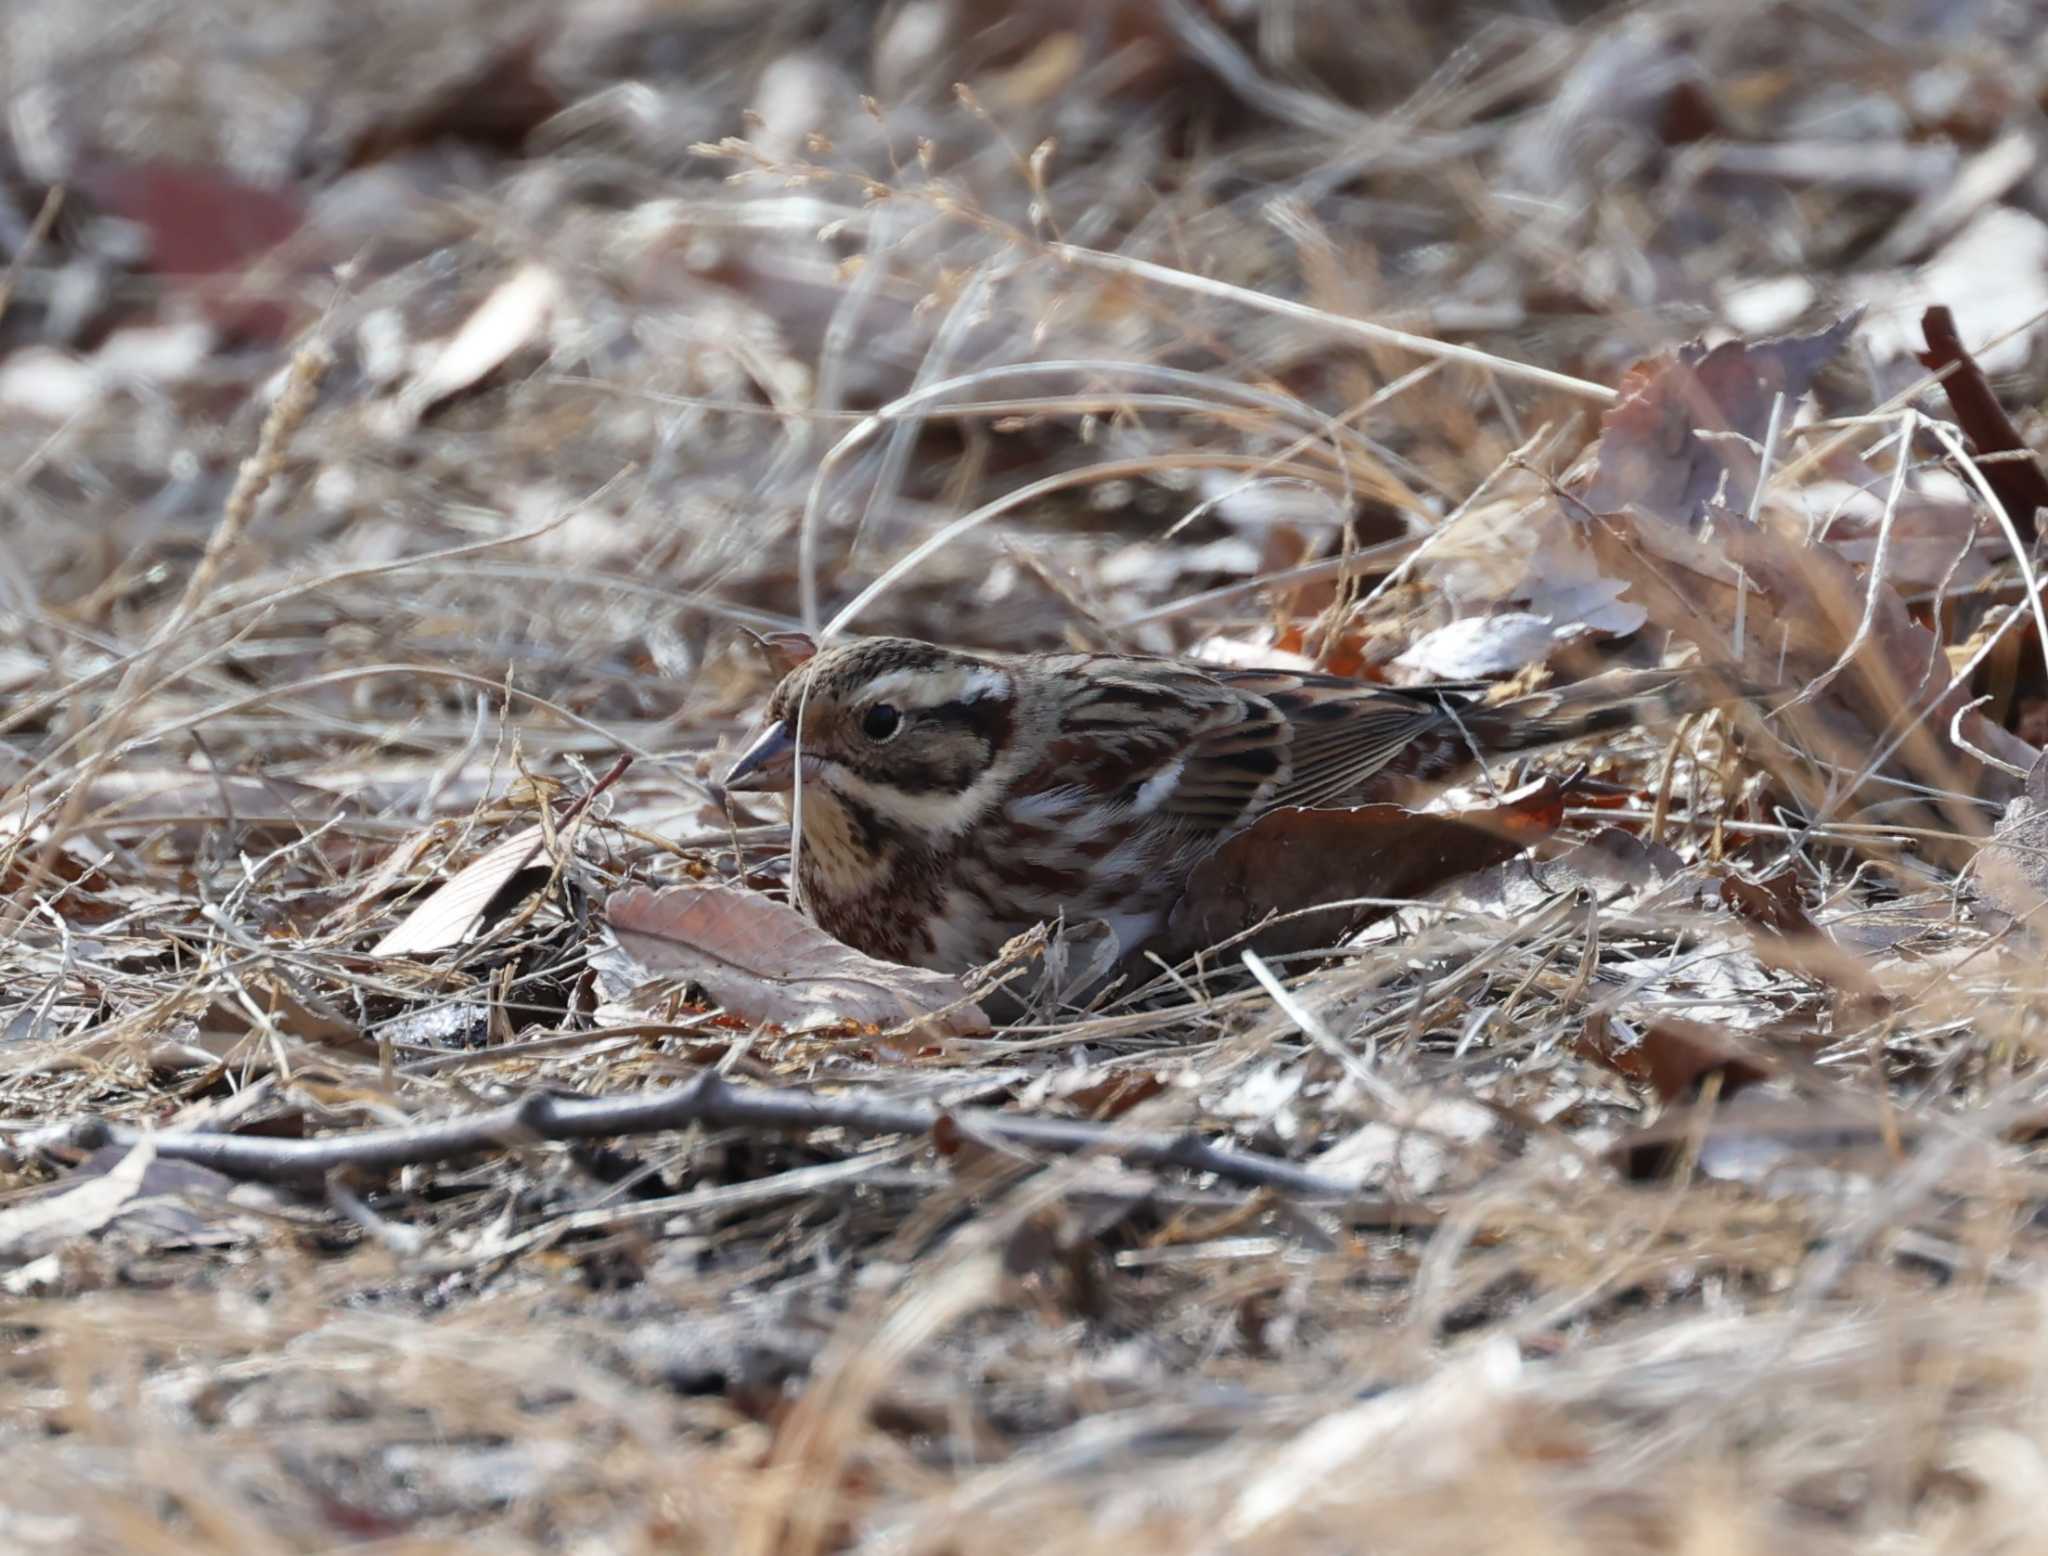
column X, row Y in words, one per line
column 768, row 766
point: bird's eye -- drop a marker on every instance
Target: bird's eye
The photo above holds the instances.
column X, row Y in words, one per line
column 881, row 722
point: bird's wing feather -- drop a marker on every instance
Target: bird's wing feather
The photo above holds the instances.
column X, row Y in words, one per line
column 1210, row 752
column 1350, row 740
column 1168, row 742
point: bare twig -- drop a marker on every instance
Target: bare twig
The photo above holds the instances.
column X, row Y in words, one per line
column 706, row 1100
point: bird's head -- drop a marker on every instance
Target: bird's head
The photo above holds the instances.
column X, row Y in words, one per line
column 905, row 731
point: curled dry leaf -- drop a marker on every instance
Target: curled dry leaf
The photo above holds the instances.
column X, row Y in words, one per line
column 1665, row 510
column 783, row 651
column 767, row 962
column 1293, row 859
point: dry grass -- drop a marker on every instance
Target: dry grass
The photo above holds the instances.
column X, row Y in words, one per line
column 303, row 609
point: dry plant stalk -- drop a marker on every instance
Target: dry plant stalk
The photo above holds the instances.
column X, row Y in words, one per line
column 295, row 401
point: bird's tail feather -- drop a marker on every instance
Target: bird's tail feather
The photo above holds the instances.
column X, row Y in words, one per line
column 1621, row 699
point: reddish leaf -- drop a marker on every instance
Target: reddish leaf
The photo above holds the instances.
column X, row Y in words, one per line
column 1672, row 1056
column 1771, row 903
column 1293, row 859
column 204, row 226
column 2019, row 484
column 783, row 651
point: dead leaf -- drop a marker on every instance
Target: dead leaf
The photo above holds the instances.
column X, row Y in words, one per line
column 1672, row 1056
column 783, row 651
column 1097, row 1091
column 767, row 962
column 514, row 316
column 75, row 1211
column 1665, row 510
column 1292, row 859
column 1651, row 455
column 486, row 889
column 2019, row 484
column 75, row 886
column 475, row 895
column 1771, row 903
column 1480, row 646
column 205, row 228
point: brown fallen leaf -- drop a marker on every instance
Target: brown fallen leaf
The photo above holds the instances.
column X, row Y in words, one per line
column 77, row 889
column 767, row 962
column 1770, row 903
column 1097, row 1091
column 1786, row 939
column 1672, row 1056
column 1293, row 858
column 1651, row 456
column 1665, row 510
column 2019, row 483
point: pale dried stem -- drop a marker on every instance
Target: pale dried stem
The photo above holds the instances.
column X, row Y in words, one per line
column 294, row 402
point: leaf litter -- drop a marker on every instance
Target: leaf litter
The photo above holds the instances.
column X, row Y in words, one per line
column 1689, row 1143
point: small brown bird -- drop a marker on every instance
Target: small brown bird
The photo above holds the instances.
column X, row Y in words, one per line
column 950, row 800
